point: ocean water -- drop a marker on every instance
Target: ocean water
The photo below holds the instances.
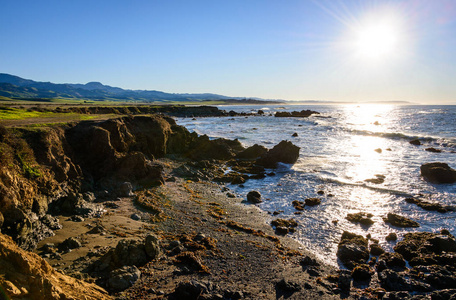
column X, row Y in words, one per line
column 337, row 155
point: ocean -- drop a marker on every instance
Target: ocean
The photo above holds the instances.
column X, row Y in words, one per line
column 340, row 148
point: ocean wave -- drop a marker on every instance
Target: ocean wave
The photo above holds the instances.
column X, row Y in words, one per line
column 444, row 142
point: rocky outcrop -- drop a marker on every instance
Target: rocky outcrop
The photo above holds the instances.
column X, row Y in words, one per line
column 25, row 275
column 284, row 152
column 203, row 148
column 438, row 172
column 296, row 114
column 352, row 249
column 54, row 165
column 400, row 221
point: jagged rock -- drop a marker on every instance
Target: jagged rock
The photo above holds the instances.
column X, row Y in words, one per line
column 394, row 281
column 400, row 221
column 352, row 249
column 430, row 206
column 222, row 149
column 252, row 152
column 438, row 173
column 192, row 290
column 390, row 260
column 421, row 243
column 122, row 278
column 254, row 197
column 284, row 152
column 25, row 275
column 288, row 286
column 284, row 226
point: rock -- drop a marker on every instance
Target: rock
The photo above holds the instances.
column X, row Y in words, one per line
column 312, row 201
column 344, row 281
column 284, row 226
column 308, row 261
column 77, row 219
column 136, row 217
column 296, row 114
column 394, row 281
column 415, row 142
column 254, row 197
column 400, row 221
column 252, row 152
column 431, row 149
column 361, row 217
column 25, row 275
column 298, row 205
column 376, row 250
column 430, row 206
column 438, row 173
column 122, row 278
column 425, row 243
column 125, row 190
column 69, row 243
column 204, row 148
column 362, row 272
column 391, row 237
column 288, row 286
column 191, row 290
column 352, row 249
column 378, row 150
column 152, row 247
column 1, row 220
column 294, row 134
column 379, row 179
column 390, row 260
column 284, row 152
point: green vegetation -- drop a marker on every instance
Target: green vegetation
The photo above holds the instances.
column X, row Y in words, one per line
column 10, row 113
column 28, row 170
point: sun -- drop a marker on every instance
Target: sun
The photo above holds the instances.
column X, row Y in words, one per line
column 377, row 40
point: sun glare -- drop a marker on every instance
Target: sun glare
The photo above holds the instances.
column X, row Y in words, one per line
column 376, row 40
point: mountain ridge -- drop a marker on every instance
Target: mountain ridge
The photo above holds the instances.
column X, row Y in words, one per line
column 13, row 86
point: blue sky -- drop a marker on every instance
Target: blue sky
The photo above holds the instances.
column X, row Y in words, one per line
column 294, row 50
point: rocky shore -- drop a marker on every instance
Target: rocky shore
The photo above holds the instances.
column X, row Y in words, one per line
column 136, row 207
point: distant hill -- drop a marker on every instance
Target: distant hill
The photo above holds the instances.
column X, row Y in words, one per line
column 16, row 87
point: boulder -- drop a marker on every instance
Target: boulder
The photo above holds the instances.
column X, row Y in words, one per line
column 415, row 142
column 254, row 197
column 152, row 247
column 312, row 201
column 362, row 272
column 352, row 249
column 69, row 244
column 122, row 278
column 284, row 152
column 400, row 221
column 361, row 217
column 438, row 172
column 204, row 148
column 125, row 189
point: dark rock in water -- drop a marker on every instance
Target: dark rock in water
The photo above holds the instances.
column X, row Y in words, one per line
column 296, row 114
column 423, row 243
column 391, row 237
column 415, row 142
column 298, row 205
column 294, row 134
column 377, row 180
column 426, row 205
column 352, row 249
column 362, row 272
column 400, row 221
column 122, row 278
column 312, row 201
column 254, row 197
column 434, row 150
column 361, row 217
column 378, row 150
column 284, row 226
column 438, row 173
column 252, row 152
column 260, row 112
column 284, row 152
column 376, row 250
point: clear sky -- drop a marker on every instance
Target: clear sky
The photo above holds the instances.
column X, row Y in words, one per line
column 295, row 50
